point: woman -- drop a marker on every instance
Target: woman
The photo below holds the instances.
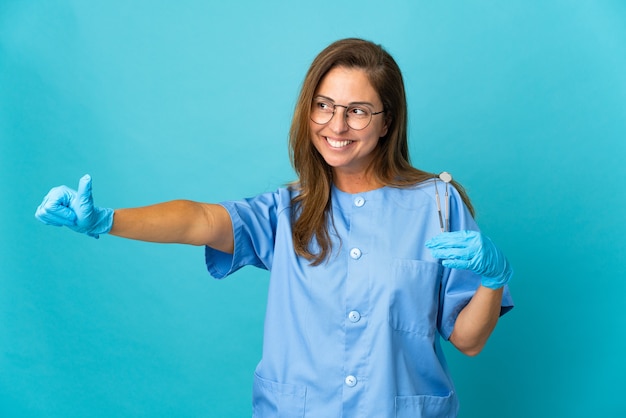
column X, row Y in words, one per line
column 363, row 283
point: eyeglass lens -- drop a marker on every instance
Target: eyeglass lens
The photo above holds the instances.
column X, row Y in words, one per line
column 357, row 117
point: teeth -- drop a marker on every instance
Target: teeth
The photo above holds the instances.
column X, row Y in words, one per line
column 337, row 144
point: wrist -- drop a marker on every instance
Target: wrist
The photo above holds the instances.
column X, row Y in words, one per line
column 100, row 221
column 104, row 222
column 496, row 282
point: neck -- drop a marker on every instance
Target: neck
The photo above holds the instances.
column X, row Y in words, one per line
column 355, row 183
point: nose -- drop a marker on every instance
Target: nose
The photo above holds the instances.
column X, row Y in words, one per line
column 338, row 122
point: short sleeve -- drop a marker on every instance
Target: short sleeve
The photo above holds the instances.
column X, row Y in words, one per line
column 459, row 286
column 254, row 231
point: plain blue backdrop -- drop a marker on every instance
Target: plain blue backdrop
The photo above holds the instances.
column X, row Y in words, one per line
column 524, row 102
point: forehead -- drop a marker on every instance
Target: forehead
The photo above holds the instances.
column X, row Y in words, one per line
column 347, row 85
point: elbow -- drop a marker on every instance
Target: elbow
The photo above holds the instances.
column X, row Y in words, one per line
column 470, row 347
column 471, row 351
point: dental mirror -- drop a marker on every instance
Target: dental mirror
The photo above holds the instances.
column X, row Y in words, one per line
column 445, row 177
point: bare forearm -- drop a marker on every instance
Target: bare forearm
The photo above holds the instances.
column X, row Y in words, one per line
column 477, row 320
column 178, row 221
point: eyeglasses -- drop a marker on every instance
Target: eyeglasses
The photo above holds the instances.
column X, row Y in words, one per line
column 357, row 116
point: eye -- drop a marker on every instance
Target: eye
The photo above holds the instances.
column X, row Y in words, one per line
column 323, row 106
column 358, row 111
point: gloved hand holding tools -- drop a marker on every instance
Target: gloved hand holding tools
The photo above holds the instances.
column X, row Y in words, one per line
column 471, row 250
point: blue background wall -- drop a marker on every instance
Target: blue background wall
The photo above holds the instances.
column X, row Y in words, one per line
column 524, row 102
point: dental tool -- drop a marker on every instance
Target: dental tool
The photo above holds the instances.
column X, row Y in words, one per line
column 444, row 223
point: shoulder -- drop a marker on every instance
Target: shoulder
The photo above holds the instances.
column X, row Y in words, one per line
column 420, row 190
column 276, row 200
column 424, row 192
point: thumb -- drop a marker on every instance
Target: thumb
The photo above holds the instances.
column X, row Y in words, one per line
column 84, row 195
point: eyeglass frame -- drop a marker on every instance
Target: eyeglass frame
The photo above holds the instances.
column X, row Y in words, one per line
column 345, row 114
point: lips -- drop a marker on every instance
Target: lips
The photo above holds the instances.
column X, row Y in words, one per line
column 338, row 144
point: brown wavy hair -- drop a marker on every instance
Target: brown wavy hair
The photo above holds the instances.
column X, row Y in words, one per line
column 391, row 164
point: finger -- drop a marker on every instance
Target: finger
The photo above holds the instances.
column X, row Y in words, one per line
column 61, row 217
column 54, row 209
column 452, row 253
column 445, row 244
column 84, row 190
column 456, row 239
column 457, row 264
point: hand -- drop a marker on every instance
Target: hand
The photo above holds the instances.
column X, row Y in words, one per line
column 471, row 250
column 63, row 206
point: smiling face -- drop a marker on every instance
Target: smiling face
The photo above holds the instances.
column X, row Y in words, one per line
column 346, row 150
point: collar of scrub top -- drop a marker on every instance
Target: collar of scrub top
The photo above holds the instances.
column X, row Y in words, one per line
column 444, row 223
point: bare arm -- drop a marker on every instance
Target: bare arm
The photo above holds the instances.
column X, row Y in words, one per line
column 473, row 251
column 178, row 221
column 476, row 321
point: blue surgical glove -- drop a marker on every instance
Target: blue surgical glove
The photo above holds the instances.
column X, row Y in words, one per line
column 63, row 206
column 471, row 250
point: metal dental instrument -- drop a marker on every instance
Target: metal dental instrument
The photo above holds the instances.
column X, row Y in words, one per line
column 446, row 178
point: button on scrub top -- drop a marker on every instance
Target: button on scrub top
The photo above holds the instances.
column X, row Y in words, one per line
column 358, row 335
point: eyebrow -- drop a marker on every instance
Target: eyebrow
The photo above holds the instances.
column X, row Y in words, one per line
column 319, row 96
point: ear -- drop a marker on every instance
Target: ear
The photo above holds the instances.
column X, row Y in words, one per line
column 385, row 128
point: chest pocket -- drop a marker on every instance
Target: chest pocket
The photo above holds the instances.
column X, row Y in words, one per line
column 414, row 296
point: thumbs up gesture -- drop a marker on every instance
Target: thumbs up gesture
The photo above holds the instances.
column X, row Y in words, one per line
column 63, row 206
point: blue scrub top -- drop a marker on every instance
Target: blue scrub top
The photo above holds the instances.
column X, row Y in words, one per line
column 359, row 335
